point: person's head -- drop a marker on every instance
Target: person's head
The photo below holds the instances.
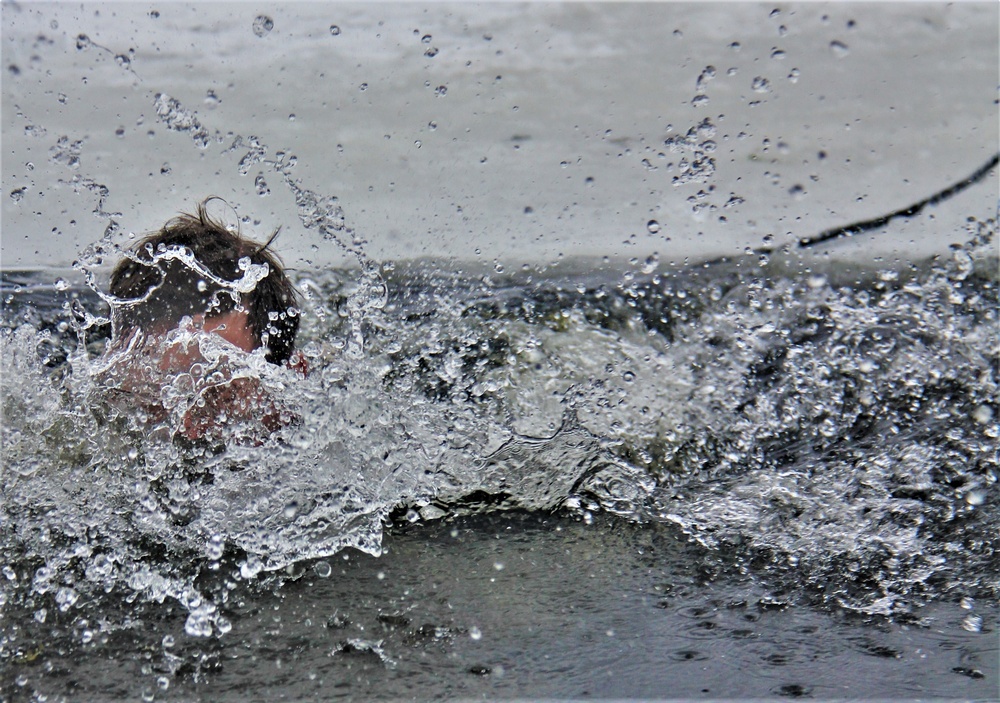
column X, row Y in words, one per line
column 156, row 287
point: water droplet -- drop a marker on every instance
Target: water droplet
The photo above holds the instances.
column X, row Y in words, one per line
column 432, row 126
column 66, row 597
column 982, row 414
column 975, row 498
column 839, row 49
column 334, row 30
column 653, row 226
column 215, row 547
column 972, row 623
column 262, row 25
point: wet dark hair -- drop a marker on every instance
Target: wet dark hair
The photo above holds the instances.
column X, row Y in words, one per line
column 157, row 292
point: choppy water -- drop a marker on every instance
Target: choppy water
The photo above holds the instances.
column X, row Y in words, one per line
column 828, row 433
column 768, row 475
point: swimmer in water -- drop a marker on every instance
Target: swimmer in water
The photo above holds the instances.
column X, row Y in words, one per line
column 189, row 303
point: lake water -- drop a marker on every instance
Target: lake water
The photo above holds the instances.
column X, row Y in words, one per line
column 569, row 432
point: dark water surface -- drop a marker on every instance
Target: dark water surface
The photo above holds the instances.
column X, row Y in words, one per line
column 527, row 606
column 748, row 478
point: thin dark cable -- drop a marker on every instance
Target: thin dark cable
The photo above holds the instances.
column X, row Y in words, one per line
column 879, row 222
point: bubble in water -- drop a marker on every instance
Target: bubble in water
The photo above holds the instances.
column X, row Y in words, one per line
column 760, row 85
column 426, row 39
column 262, row 25
column 475, row 633
column 653, row 226
column 323, row 569
column 777, row 53
column 334, row 30
column 17, row 194
column 431, row 52
column 839, row 49
column 83, row 42
column 441, row 91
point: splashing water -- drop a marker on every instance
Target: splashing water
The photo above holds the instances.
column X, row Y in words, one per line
column 833, row 431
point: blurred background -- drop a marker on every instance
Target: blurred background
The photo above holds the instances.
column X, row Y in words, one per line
column 498, row 133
